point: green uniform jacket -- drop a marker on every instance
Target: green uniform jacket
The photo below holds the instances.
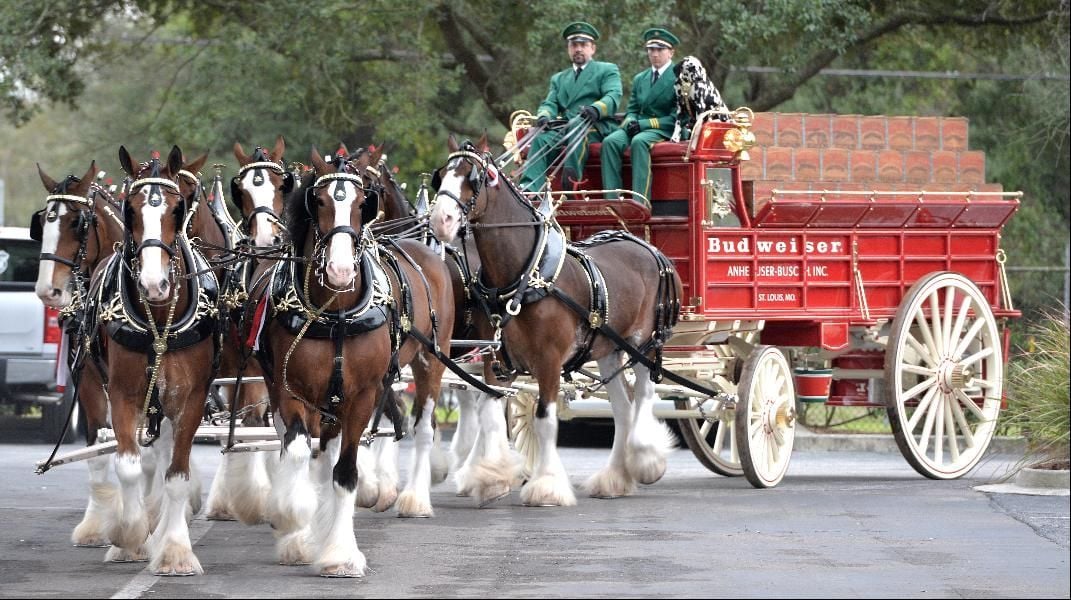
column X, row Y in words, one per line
column 654, row 107
column 599, row 85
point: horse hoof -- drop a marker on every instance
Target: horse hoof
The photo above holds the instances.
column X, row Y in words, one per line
column 219, row 516
column 174, row 572
column 348, row 570
column 116, row 554
column 100, row 543
column 494, row 497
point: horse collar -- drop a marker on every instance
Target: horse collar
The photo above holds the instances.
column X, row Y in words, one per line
column 131, row 329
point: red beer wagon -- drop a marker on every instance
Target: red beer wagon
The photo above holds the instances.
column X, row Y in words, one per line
column 870, row 280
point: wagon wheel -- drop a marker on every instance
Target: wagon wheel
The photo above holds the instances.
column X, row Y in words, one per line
column 520, row 423
column 765, row 416
column 944, row 369
column 712, row 442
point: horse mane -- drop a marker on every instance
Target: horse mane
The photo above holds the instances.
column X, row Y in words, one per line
column 297, row 215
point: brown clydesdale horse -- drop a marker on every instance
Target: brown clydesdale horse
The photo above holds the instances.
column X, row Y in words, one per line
column 159, row 320
column 78, row 228
column 528, row 280
column 335, row 324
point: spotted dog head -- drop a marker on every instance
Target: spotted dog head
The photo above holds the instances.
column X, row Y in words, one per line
column 695, row 93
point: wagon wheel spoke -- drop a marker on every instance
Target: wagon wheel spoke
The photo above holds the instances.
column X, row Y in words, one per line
column 946, row 320
column 921, row 350
column 921, row 410
column 919, row 388
column 927, row 425
column 939, row 430
column 971, row 336
column 966, row 400
column 950, row 429
column 935, row 318
column 927, row 335
column 977, row 356
column 961, row 320
column 961, row 423
column 916, row 370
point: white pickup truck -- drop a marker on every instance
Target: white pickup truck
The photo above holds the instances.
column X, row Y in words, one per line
column 29, row 337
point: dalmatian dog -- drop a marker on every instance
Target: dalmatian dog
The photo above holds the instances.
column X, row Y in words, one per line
column 695, row 95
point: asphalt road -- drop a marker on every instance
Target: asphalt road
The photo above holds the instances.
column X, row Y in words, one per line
column 841, row 524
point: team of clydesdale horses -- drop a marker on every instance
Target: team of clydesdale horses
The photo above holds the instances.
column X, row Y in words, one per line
column 328, row 285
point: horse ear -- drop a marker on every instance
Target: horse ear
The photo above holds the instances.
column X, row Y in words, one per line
column 126, row 162
column 317, row 161
column 48, row 182
column 451, row 143
column 174, row 161
column 239, row 153
column 90, row 174
column 196, row 166
column 482, row 144
column 376, row 156
column 279, row 150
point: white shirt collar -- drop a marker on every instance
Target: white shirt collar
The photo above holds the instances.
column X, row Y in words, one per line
column 663, row 70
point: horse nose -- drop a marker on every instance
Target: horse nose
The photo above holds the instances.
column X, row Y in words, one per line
column 340, row 273
column 57, row 292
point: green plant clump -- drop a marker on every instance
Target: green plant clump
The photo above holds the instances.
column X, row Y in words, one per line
column 1039, row 389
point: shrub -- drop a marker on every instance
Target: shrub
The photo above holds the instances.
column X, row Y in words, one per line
column 1039, row 392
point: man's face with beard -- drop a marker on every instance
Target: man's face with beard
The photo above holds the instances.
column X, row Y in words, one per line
column 580, row 52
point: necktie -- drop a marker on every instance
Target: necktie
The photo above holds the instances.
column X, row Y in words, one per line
column 576, row 74
column 654, row 78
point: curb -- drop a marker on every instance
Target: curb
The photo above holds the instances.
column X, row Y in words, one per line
column 1033, row 482
column 810, row 441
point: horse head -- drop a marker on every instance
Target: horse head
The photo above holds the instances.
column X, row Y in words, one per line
column 259, row 192
column 461, row 187
column 62, row 227
column 333, row 210
column 154, row 213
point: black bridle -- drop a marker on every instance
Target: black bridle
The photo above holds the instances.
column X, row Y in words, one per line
column 261, row 162
column 156, row 197
column 86, row 219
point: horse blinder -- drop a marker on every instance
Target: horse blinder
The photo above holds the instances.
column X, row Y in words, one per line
column 37, row 226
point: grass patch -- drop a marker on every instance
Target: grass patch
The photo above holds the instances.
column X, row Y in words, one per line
column 1039, row 393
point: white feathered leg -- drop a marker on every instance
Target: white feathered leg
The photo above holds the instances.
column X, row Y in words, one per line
column 367, row 478
column 247, row 485
column 385, row 460
column 464, row 479
column 321, row 471
column 132, row 527
column 468, row 426
column 218, row 505
column 549, row 485
column 614, row 480
column 102, row 509
column 651, row 441
column 415, row 500
column 494, row 473
column 172, row 552
column 293, row 502
column 338, row 555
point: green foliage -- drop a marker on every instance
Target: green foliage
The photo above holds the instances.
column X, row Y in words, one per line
column 1039, row 391
column 203, row 75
